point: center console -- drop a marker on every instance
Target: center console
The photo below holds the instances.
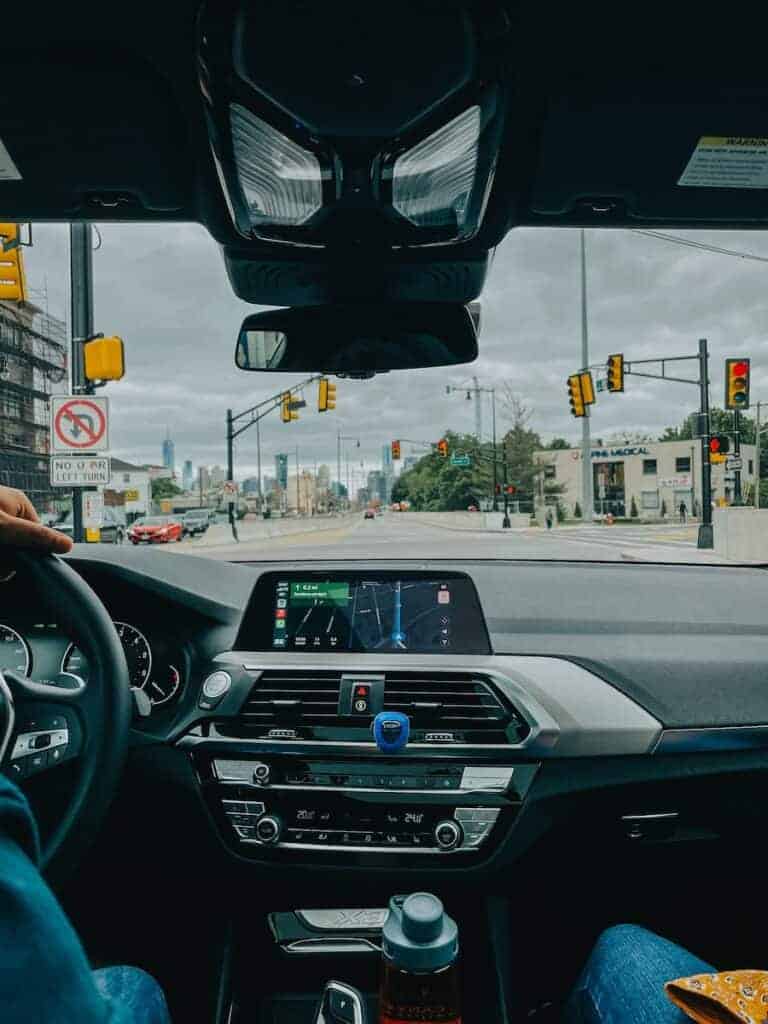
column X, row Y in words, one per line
column 288, row 761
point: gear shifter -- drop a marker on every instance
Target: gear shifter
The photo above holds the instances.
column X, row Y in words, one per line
column 341, row 1004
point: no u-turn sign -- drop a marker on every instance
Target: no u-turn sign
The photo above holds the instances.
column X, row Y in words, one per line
column 79, row 424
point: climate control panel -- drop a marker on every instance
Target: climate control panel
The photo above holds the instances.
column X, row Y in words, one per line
column 370, row 806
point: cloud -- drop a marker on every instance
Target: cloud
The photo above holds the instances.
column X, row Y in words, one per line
column 164, row 289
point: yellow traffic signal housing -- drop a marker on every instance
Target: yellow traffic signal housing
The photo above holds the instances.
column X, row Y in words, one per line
column 615, row 366
column 104, row 359
column 442, row 447
column 737, row 383
column 287, row 412
column 574, row 395
column 395, row 450
column 587, row 388
column 326, row 395
column 13, row 285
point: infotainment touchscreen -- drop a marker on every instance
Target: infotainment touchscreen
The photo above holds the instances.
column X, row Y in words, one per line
column 388, row 613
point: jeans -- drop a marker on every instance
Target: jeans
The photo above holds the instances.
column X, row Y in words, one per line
column 133, row 994
column 623, row 981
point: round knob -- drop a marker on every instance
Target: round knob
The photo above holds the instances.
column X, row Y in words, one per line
column 448, row 835
column 261, row 773
column 268, row 829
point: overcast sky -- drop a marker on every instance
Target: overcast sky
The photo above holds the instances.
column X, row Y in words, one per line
column 165, row 291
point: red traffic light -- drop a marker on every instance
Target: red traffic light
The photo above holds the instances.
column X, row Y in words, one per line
column 740, row 369
column 714, row 444
column 719, row 444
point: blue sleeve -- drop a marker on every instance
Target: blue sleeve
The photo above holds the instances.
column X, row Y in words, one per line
column 45, row 977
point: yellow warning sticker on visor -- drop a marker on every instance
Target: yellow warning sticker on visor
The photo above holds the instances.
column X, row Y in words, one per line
column 727, row 161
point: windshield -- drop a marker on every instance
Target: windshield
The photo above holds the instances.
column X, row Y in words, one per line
column 484, row 459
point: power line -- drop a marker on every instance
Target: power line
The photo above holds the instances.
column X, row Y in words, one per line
column 706, row 247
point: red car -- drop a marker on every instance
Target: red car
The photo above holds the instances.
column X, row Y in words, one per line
column 155, row 530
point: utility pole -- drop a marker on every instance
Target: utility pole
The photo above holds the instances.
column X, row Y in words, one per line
column 706, row 537
column 81, row 299
column 231, row 474
column 586, row 440
column 298, row 484
column 479, row 390
column 258, row 465
column 757, row 456
column 737, row 453
column 478, row 410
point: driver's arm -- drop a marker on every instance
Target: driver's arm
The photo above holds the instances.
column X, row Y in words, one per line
column 44, row 973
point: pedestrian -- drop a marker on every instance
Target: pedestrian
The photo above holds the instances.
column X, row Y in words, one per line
column 683, row 510
column 550, row 518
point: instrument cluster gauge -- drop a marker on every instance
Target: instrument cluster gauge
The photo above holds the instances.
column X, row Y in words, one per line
column 14, row 651
column 164, row 686
column 138, row 655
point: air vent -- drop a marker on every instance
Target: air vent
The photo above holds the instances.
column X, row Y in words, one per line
column 454, row 706
column 445, row 708
column 302, row 700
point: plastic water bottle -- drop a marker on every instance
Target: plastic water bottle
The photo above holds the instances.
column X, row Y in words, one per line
column 420, row 975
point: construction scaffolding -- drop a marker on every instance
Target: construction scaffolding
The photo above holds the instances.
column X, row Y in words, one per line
column 33, row 366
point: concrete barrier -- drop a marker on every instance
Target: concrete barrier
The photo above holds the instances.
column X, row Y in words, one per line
column 469, row 520
column 741, row 534
column 220, row 534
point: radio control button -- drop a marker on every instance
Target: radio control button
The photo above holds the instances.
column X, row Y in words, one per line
column 448, row 835
column 246, row 831
column 268, row 829
column 235, row 807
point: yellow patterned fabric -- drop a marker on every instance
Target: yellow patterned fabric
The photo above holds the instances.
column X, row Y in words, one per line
column 732, row 997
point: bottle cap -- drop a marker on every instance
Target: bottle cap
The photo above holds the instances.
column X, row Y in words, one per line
column 418, row 935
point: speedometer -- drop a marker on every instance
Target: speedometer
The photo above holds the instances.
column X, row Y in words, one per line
column 138, row 654
column 14, row 651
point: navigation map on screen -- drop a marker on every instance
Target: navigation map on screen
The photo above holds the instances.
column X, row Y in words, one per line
column 364, row 615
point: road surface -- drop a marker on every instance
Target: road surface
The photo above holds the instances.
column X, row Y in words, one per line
column 404, row 535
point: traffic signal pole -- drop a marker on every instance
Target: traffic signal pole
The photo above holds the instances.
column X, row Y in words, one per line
column 81, row 304
column 587, row 481
column 706, row 536
column 737, row 455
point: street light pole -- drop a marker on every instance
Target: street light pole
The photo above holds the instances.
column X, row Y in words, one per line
column 81, row 300
column 586, row 441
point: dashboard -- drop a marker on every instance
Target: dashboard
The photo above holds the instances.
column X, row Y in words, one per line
column 523, row 683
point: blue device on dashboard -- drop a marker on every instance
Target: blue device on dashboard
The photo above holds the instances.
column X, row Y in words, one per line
column 391, row 730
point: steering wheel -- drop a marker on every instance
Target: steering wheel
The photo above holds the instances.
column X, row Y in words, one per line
column 44, row 725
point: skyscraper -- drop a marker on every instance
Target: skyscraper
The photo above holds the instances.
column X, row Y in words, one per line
column 169, row 453
column 187, row 478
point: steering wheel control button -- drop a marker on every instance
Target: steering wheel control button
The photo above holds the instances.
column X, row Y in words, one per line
column 215, row 688
column 448, row 835
column 269, row 829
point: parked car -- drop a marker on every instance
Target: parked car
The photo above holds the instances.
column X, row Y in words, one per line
column 113, row 528
column 155, row 530
column 195, row 521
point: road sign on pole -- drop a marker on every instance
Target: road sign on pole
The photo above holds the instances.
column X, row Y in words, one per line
column 79, row 424
column 734, row 463
column 93, row 510
column 79, row 470
column 459, row 459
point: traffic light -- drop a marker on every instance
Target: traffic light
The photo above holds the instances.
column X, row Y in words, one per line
column 287, row 411
column 615, row 367
column 442, row 448
column 395, row 450
column 737, row 383
column 12, row 283
column 326, row 395
column 574, row 394
column 587, row 388
column 104, row 359
column 719, row 444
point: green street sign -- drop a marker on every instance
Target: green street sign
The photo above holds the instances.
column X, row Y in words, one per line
column 461, row 460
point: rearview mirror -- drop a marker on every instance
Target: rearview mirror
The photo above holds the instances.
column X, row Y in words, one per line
column 357, row 340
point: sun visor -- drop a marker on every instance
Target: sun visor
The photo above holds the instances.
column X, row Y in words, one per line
column 655, row 158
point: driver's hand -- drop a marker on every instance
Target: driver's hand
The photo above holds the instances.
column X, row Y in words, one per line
column 20, row 527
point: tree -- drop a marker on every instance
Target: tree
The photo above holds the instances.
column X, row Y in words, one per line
column 164, row 487
column 633, row 508
column 629, row 437
column 721, row 422
column 557, row 444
